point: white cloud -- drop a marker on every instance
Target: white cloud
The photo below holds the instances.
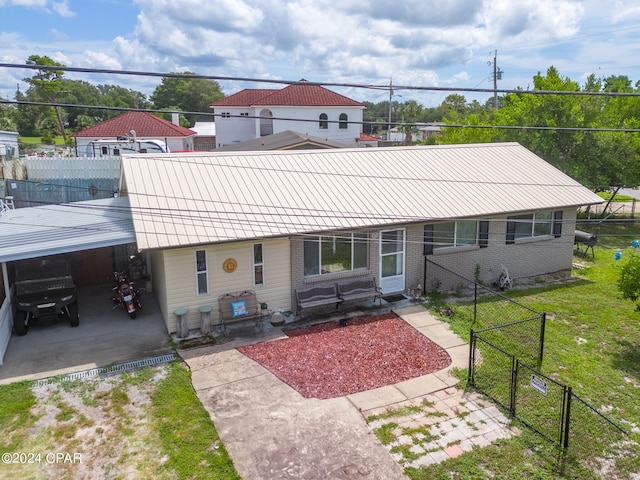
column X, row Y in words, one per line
column 62, row 8
column 415, row 42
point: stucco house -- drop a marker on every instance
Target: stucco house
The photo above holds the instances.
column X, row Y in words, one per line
column 301, row 107
column 292, row 219
column 137, row 131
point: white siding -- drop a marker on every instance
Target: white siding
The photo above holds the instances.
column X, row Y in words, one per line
column 159, row 282
column 234, row 129
column 180, row 274
column 309, row 124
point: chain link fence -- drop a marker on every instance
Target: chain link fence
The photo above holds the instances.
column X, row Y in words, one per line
column 505, row 356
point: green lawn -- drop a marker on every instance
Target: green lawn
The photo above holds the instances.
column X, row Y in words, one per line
column 38, row 140
column 592, row 344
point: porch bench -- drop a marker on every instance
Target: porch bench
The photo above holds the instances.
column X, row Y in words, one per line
column 317, row 297
column 361, row 289
column 239, row 307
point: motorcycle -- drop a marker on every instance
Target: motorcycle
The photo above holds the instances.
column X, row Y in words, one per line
column 126, row 295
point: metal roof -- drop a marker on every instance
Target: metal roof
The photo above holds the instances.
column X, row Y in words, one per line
column 189, row 199
column 287, row 140
column 53, row 229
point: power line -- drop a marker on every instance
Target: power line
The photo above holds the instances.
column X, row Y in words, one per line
column 331, row 84
column 350, row 122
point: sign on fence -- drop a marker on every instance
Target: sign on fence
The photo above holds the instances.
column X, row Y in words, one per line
column 538, row 384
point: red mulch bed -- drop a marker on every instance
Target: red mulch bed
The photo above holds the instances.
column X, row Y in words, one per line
column 329, row 360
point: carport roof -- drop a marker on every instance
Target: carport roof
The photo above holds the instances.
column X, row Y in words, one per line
column 53, row 229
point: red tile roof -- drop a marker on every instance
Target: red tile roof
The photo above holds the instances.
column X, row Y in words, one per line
column 145, row 124
column 244, row 98
column 365, row 137
column 297, row 95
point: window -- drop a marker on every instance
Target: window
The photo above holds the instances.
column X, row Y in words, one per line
column 450, row 234
column 258, row 265
column 343, row 118
column 244, row 114
column 530, row 225
column 225, row 115
column 324, row 121
column 333, row 254
column 202, row 275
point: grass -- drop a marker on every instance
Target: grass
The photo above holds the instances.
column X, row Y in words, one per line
column 186, row 432
column 38, row 140
column 592, row 343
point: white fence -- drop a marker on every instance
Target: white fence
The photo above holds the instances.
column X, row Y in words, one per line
column 47, row 168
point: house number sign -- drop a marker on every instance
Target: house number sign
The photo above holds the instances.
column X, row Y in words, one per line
column 230, row 265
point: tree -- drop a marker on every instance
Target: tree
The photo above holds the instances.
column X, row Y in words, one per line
column 599, row 160
column 187, row 95
column 47, row 85
column 409, row 111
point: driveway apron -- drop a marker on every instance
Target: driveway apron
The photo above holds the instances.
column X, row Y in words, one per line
column 272, row 432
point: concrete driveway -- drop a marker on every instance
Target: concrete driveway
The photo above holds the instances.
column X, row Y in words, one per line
column 104, row 337
column 272, row 432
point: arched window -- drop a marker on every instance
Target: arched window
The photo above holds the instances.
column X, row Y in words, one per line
column 324, row 121
column 343, row 121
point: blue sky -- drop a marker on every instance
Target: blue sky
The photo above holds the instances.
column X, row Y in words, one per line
column 415, row 42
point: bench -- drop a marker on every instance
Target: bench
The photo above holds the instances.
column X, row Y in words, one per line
column 238, row 307
column 361, row 289
column 317, row 297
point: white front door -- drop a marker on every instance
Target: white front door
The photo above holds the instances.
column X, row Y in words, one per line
column 392, row 246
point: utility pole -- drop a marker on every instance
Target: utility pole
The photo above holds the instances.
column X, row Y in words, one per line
column 390, row 97
column 497, row 75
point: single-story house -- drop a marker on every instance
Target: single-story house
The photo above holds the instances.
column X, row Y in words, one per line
column 273, row 222
column 133, row 131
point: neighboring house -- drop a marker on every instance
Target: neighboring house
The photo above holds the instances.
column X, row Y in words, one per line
column 205, row 139
column 286, row 140
column 366, row 140
column 293, row 219
column 302, row 107
column 133, row 131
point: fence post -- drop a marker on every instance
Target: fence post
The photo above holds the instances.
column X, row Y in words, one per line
column 475, row 301
column 542, row 330
column 564, row 436
column 514, row 385
column 472, row 350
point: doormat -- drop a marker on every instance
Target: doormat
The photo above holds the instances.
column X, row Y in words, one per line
column 394, row 298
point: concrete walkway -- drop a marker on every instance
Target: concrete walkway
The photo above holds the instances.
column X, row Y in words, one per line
column 273, row 432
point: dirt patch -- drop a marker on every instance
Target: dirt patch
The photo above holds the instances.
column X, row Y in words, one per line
column 331, row 360
column 92, row 428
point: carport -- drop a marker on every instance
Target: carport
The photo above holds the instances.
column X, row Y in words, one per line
column 58, row 229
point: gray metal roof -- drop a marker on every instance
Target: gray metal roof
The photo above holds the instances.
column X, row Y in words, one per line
column 52, row 229
column 287, row 140
column 187, row 199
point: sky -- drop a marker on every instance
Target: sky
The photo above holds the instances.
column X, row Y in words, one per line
column 416, row 43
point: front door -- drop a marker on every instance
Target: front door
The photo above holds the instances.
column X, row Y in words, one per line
column 392, row 246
